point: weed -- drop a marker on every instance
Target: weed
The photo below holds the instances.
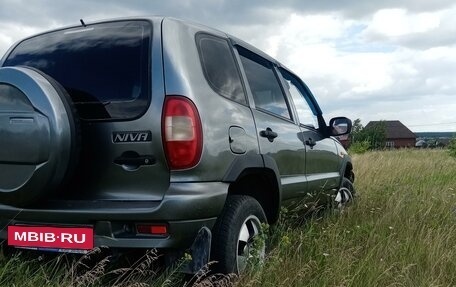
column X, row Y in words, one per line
column 359, row 147
column 452, row 147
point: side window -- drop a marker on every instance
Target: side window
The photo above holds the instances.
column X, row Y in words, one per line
column 267, row 94
column 219, row 67
column 306, row 114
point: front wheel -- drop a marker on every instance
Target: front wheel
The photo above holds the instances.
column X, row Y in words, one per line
column 345, row 194
column 236, row 234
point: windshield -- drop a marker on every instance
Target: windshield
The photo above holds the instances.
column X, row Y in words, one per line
column 104, row 67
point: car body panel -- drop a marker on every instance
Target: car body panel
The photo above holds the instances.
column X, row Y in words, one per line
column 322, row 162
column 113, row 197
column 287, row 151
column 217, row 113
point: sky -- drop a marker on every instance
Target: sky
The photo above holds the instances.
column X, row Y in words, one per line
column 372, row 60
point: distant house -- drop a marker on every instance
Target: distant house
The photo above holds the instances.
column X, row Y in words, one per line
column 421, row 144
column 397, row 135
column 434, row 139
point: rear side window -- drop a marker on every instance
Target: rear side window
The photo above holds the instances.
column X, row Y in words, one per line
column 263, row 82
column 219, row 67
column 104, row 67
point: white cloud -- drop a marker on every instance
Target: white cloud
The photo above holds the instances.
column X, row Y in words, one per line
column 391, row 59
column 418, row 31
column 371, row 80
column 12, row 32
column 397, row 22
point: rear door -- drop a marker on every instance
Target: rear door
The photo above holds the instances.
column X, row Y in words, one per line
column 322, row 160
column 106, row 70
column 278, row 133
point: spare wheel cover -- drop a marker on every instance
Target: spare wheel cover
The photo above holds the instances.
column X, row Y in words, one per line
column 38, row 137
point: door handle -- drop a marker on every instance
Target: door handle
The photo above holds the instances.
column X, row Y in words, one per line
column 134, row 159
column 269, row 134
column 310, row 142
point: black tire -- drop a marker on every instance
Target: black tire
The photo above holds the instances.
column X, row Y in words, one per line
column 346, row 193
column 240, row 213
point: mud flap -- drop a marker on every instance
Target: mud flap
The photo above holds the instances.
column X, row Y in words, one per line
column 200, row 252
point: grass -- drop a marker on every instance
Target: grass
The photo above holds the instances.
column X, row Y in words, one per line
column 400, row 232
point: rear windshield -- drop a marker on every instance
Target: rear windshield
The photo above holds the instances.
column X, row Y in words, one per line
column 104, row 67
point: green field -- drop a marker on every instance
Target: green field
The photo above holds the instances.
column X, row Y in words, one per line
column 400, row 232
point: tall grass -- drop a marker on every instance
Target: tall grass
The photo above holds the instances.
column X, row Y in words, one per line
column 400, row 232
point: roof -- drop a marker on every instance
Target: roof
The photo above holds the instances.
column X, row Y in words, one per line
column 394, row 129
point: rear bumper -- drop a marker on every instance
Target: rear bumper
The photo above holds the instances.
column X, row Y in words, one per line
column 185, row 208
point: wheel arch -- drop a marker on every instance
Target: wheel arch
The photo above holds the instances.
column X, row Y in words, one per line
column 347, row 169
column 258, row 177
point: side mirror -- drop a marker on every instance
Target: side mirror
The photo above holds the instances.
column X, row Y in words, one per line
column 340, row 126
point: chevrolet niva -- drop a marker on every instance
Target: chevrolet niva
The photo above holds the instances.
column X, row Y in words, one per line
column 157, row 133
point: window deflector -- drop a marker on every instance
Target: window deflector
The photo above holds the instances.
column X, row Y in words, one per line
column 306, row 111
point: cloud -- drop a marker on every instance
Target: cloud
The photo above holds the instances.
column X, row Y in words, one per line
column 368, row 78
column 413, row 30
column 372, row 60
column 397, row 22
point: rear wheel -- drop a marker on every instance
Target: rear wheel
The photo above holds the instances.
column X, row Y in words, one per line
column 237, row 234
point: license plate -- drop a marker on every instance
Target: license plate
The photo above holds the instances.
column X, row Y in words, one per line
column 72, row 238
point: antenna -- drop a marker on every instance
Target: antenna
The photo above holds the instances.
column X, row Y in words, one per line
column 82, row 22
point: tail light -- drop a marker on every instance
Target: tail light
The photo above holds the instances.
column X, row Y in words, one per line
column 182, row 133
